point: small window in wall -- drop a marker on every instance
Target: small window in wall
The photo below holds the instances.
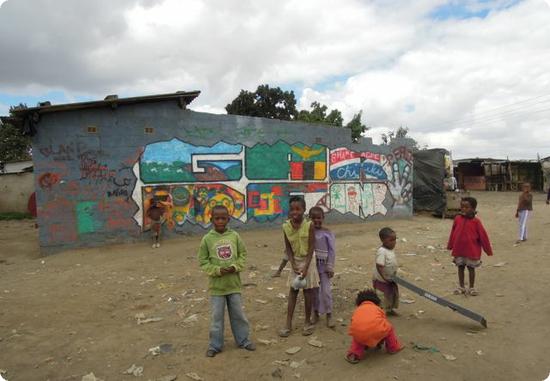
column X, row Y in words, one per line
column 91, row 129
column 149, row 130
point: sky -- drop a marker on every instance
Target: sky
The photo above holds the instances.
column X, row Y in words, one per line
column 470, row 76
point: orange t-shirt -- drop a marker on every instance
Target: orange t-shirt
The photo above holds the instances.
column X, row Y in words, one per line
column 369, row 324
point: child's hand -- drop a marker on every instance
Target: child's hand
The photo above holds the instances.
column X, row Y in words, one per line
column 227, row 270
column 330, row 273
column 303, row 274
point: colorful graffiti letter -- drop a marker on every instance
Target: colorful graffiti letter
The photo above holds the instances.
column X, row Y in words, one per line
column 177, row 161
column 266, row 202
column 282, row 161
column 351, row 165
column 192, row 203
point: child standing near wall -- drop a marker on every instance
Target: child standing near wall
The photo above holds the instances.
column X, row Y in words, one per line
column 467, row 238
column 222, row 257
column 370, row 328
column 325, row 256
column 156, row 214
column 299, row 237
column 385, row 269
column 525, row 207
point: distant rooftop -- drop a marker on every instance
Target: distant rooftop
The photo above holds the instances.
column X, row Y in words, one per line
column 26, row 118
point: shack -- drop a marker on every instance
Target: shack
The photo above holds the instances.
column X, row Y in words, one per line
column 498, row 174
column 99, row 165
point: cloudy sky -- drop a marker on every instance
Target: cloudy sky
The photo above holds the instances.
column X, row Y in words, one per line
column 472, row 76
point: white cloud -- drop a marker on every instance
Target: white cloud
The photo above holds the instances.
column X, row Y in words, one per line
column 389, row 58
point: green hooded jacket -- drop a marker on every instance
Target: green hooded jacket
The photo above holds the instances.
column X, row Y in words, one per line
column 218, row 250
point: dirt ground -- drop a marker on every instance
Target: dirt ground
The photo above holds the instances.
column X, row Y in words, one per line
column 73, row 313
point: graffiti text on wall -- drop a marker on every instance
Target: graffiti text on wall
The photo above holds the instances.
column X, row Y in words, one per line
column 256, row 182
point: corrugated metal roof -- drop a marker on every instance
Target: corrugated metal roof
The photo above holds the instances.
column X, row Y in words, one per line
column 183, row 98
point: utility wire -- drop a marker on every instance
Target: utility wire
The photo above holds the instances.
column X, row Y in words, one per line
column 494, row 112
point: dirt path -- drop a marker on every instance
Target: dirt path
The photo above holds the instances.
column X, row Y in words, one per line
column 73, row 313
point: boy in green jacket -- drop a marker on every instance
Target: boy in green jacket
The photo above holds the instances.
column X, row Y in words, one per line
column 222, row 256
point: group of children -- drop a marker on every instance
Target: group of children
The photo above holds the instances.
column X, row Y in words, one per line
column 310, row 249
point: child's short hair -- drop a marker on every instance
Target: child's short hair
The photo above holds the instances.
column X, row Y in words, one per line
column 317, row 209
column 385, row 232
column 470, row 200
column 368, row 295
column 297, row 199
column 220, row 208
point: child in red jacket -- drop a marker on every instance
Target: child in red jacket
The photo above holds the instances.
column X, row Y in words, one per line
column 468, row 237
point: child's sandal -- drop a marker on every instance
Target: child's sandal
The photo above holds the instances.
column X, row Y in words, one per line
column 473, row 292
column 285, row 332
column 459, row 291
column 308, row 330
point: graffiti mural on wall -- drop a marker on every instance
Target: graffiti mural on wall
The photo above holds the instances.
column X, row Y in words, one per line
column 267, row 201
column 192, row 203
column 362, row 200
column 400, row 182
column 256, row 182
column 286, row 162
column 177, row 161
column 351, row 165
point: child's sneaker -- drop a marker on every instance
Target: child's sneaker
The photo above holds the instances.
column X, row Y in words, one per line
column 154, row 245
column 158, row 245
column 473, row 292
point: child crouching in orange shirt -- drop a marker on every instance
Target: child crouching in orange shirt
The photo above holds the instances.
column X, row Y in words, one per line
column 370, row 327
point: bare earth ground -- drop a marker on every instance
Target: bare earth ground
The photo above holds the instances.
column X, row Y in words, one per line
column 73, row 313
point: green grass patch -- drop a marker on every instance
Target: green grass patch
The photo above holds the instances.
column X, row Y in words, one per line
column 14, row 216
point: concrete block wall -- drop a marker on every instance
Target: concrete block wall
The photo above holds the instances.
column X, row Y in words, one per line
column 16, row 189
column 97, row 171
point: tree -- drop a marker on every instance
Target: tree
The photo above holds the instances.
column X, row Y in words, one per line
column 318, row 114
column 14, row 146
column 357, row 128
column 400, row 133
column 265, row 102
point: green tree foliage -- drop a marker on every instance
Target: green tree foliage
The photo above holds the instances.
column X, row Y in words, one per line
column 275, row 103
column 265, row 102
column 356, row 126
column 14, row 146
column 318, row 114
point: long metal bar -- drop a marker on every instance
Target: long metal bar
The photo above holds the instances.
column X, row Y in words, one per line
column 442, row 302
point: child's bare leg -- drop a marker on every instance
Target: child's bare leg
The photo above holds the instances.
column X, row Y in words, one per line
column 281, row 268
column 292, row 297
column 472, row 276
column 461, row 276
column 314, row 305
column 308, row 299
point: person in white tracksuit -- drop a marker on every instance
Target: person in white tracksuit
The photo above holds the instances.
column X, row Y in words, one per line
column 525, row 208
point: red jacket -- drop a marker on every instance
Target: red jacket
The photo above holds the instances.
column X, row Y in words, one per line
column 467, row 238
